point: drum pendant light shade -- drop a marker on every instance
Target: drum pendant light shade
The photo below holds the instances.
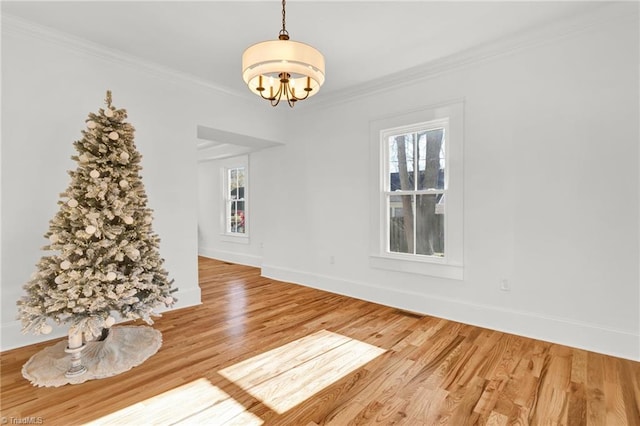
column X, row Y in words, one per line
column 283, row 68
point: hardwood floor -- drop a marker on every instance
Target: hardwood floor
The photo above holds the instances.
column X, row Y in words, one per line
column 258, row 351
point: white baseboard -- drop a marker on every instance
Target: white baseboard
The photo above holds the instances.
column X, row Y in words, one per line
column 233, row 257
column 577, row 334
column 11, row 336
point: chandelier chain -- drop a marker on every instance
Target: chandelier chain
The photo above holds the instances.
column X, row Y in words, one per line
column 284, row 17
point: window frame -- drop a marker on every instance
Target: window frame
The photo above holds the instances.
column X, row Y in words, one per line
column 386, row 191
column 225, row 172
column 451, row 265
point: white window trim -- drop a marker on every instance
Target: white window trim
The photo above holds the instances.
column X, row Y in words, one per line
column 225, row 166
column 451, row 266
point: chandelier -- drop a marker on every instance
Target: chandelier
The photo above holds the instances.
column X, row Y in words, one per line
column 283, row 69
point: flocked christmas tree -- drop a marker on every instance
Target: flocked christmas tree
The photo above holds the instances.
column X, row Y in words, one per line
column 104, row 256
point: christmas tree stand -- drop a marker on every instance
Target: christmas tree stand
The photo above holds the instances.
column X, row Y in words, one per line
column 76, row 368
column 74, row 349
column 123, row 348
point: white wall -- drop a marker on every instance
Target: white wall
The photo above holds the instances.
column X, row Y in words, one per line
column 50, row 83
column 212, row 241
column 551, row 193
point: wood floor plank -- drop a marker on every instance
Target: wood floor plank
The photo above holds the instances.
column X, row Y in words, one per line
column 302, row 356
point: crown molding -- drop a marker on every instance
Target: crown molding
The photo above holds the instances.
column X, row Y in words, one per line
column 553, row 31
column 549, row 33
column 12, row 25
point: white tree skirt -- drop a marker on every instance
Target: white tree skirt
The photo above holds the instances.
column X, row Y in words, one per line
column 124, row 348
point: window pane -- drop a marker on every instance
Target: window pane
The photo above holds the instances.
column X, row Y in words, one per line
column 401, row 223
column 240, row 182
column 430, row 224
column 236, row 217
column 236, row 183
column 431, row 159
column 233, row 183
column 401, row 162
column 232, row 216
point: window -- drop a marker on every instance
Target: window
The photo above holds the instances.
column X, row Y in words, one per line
column 415, row 188
column 417, row 167
column 235, row 215
column 235, row 201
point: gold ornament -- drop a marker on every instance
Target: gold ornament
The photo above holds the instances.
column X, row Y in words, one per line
column 94, row 174
column 72, row 203
column 114, row 136
column 108, row 112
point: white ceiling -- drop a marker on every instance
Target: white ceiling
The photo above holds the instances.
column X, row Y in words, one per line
column 361, row 41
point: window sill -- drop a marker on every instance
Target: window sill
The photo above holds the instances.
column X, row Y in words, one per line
column 434, row 268
column 231, row 238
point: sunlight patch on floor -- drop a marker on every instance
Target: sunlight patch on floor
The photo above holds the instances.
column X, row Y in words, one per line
column 287, row 375
column 197, row 402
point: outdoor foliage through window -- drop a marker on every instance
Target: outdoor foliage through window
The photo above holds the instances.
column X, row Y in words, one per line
column 415, row 193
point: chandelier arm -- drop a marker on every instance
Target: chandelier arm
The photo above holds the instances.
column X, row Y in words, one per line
column 274, row 99
column 303, row 98
column 264, row 97
column 291, row 98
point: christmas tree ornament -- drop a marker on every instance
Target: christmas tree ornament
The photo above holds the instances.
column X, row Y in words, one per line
column 46, row 329
column 109, row 321
column 134, row 254
column 103, row 267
